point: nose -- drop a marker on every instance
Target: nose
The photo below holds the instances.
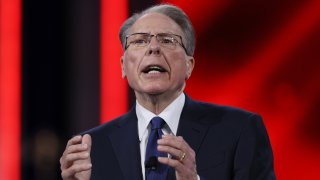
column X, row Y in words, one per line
column 154, row 47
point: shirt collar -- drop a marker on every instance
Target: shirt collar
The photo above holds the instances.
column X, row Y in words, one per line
column 171, row 115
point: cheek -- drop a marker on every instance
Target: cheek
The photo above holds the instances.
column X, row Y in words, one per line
column 130, row 64
column 129, row 69
column 179, row 67
column 130, row 73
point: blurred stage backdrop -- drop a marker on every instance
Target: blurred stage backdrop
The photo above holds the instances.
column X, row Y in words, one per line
column 60, row 74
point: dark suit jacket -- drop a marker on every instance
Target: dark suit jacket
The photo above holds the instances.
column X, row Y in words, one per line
column 229, row 143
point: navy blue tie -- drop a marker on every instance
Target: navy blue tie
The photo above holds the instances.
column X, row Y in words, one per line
column 154, row 169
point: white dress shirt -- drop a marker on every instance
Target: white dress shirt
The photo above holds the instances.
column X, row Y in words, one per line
column 171, row 115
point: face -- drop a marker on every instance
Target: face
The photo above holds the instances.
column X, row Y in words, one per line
column 155, row 69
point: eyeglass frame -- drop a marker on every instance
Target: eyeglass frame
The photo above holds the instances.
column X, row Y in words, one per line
column 155, row 35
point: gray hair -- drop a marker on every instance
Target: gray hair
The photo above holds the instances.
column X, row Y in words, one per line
column 173, row 12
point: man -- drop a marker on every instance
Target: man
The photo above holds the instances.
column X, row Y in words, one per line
column 166, row 135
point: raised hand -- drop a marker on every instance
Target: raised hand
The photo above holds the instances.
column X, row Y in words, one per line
column 75, row 162
column 183, row 161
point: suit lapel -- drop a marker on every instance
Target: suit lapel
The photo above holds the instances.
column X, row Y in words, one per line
column 192, row 126
column 125, row 143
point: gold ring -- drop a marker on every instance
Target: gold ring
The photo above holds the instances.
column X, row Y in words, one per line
column 182, row 156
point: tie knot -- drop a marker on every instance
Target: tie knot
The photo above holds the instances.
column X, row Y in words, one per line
column 157, row 123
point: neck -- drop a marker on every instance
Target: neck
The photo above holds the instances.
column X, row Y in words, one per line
column 156, row 103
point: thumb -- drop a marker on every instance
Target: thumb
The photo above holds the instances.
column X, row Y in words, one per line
column 86, row 139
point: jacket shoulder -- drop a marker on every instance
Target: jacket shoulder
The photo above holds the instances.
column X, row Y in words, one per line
column 221, row 109
column 215, row 113
column 109, row 126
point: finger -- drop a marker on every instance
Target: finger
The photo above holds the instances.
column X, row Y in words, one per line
column 76, row 168
column 77, row 156
column 75, row 140
column 177, row 165
column 173, row 138
column 177, row 142
column 185, row 171
column 176, row 153
column 69, row 159
column 78, row 148
column 174, row 142
column 78, row 143
column 75, row 148
column 179, row 145
column 86, row 139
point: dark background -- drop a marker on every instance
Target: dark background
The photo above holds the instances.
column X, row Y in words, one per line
column 60, row 78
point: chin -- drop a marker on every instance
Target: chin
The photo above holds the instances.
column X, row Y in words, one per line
column 154, row 90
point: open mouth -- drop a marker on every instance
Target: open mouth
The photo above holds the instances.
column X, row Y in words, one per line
column 153, row 69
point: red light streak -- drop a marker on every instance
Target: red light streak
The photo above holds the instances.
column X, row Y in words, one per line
column 113, row 88
column 10, row 55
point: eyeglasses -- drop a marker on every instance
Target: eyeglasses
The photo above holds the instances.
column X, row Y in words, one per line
column 166, row 40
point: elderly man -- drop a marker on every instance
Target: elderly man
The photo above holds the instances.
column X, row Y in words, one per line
column 166, row 135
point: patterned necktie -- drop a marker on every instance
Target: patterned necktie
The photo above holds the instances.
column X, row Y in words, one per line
column 154, row 169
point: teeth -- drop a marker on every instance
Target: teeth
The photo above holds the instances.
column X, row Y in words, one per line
column 154, row 69
column 153, row 72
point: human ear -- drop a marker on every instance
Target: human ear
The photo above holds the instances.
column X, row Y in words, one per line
column 123, row 73
column 190, row 65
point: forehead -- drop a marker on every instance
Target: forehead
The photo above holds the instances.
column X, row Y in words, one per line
column 155, row 23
